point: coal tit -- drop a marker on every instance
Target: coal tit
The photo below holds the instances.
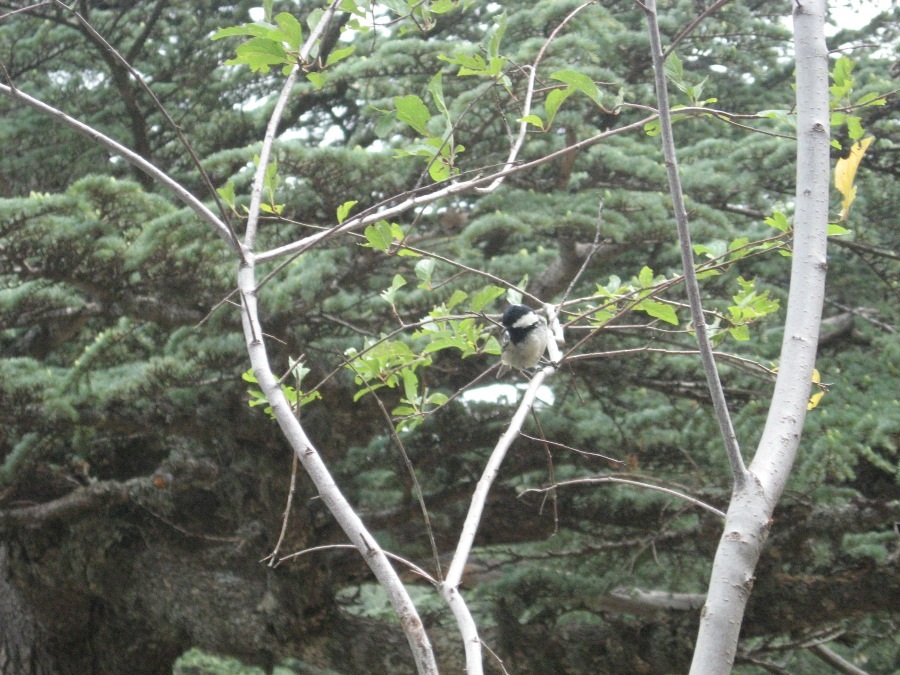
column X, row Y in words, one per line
column 524, row 339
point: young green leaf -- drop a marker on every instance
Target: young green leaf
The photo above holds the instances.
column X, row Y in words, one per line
column 226, row 192
column 579, row 81
column 259, row 54
column 424, row 269
column 379, row 236
column 779, row 221
column 390, row 294
column 291, row 29
column 533, row 120
column 317, row 79
column 555, row 99
column 344, row 210
column 485, row 296
column 339, row 55
column 412, row 110
column 496, row 35
column 659, row 310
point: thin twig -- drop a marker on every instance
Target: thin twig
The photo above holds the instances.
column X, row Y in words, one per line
column 273, row 556
column 205, row 214
column 687, row 30
column 570, row 448
column 551, row 473
column 417, row 488
column 95, row 35
column 529, row 93
column 350, row 547
column 439, row 191
column 625, row 481
column 595, row 246
column 717, row 394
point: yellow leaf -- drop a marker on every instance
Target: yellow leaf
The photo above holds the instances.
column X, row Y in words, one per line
column 815, row 398
column 845, row 172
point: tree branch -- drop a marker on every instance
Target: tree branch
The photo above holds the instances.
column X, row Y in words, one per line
column 738, row 470
column 293, row 431
column 129, row 156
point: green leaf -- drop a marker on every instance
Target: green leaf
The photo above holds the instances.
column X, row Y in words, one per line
column 835, row 230
column 843, row 67
column 674, row 69
column 390, row 294
column 351, row 7
column 485, row 296
column 854, row 127
column 424, row 269
column 779, row 221
column 437, row 398
column 645, row 278
column 344, row 210
column 436, row 89
column 712, row 249
column 457, row 297
column 410, row 384
column 298, row 369
column 652, row 128
column 496, row 35
column 259, row 54
column 256, row 29
column 659, row 310
column 601, row 316
column 738, row 248
column 412, row 110
column 339, row 55
column 740, row 333
column 441, row 6
column 555, row 99
column 872, row 98
column 533, row 120
column 226, row 192
column 270, row 180
column 379, row 235
column 291, row 28
column 579, row 81
column 317, row 79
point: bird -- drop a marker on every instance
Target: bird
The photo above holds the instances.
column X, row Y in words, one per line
column 524, row 339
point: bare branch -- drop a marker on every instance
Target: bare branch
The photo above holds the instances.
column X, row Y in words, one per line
column 450, row 587
column 529, row 94
column 293, row 431
column 738, row 470
column 129, row 156
column 625, row 481
column 434, row 193
column 835, row 660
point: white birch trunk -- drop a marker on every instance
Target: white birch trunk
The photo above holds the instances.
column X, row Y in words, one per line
column 748, row 518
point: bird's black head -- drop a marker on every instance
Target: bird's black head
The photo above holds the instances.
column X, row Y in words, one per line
column 514, row 314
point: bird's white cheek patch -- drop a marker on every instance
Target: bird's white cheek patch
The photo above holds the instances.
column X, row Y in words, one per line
column 526, row 321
